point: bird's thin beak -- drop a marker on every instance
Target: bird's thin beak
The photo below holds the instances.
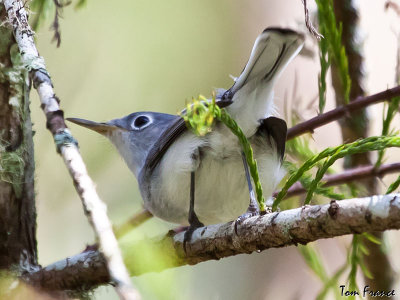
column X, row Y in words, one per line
column 102, row 128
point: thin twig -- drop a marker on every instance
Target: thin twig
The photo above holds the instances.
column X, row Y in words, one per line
column 94, row 208
column 136, row 220
column 341, row 111
column 393, row 5
column 347, row 176
column 280, row 229
column 309, row 24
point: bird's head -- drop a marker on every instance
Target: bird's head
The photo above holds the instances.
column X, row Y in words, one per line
column 133, row 135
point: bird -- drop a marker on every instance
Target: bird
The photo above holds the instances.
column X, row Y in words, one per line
column 200, row 180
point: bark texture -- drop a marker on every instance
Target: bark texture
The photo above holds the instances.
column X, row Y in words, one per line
column 18, row 244
column 280, row 229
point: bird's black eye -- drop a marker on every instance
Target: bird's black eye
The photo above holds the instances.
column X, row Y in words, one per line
column 140, row 122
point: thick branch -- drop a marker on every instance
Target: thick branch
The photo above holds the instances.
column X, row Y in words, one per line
column 341, row 111
column 94, row 208
column 348, row 175
column 279, row 229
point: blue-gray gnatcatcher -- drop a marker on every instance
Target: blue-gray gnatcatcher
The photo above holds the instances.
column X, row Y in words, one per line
column 188, row 179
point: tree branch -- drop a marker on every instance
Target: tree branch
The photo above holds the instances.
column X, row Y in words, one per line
column 136, row 220
column 341, row 111
column 348, row 175
column 280, row 229
column 309, row 23
column 94, row 208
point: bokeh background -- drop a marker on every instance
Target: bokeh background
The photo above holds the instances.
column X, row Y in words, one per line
column 118, row 57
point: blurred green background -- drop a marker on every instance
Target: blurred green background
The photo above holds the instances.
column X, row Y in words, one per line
column 118, row 57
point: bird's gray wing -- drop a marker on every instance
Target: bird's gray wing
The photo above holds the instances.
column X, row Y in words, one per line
column 274, row 129
column 272, row 51
column 157, row 151
column 170, row 134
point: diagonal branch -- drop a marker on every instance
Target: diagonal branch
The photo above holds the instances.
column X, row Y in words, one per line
column 341, row 111
column 94, row 208
column 279, row 229
column 136, row 220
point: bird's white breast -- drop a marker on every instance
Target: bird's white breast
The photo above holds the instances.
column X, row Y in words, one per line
column 221, row 191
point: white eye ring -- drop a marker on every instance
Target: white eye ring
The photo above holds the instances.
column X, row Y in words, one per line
column 141, row 122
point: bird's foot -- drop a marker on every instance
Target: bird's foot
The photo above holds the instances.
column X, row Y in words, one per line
column 177, row 230
column 252, row 211
column 189, row 232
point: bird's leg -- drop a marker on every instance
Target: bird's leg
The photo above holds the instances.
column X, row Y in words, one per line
column 253, row 209
column 193, row 219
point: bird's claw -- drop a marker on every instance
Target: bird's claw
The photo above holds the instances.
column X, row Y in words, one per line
column 189, row 232
column 248, row 214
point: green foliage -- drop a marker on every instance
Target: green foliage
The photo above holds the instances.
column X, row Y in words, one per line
column 80, row 4
column 199, row 117
column 12, row 167
column 42, row 9
column 355, row 259
column 354, row 262
column 306, row 181
column 12, row 164
column 46, row 9
column 392, row 109
column 330, row 155
column 332, row 50
column 313, row 260
column 371, row 238
column 315, row 263
column 325, row 63
column 332, row 284
column 393, row 186
column 299, row 148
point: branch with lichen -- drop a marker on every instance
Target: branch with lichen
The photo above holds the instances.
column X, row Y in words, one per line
column 279, row 229
column 94, row 208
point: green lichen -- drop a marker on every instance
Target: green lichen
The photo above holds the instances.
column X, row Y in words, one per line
column 12, row 164
column 12, row 167
column 6, row 36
